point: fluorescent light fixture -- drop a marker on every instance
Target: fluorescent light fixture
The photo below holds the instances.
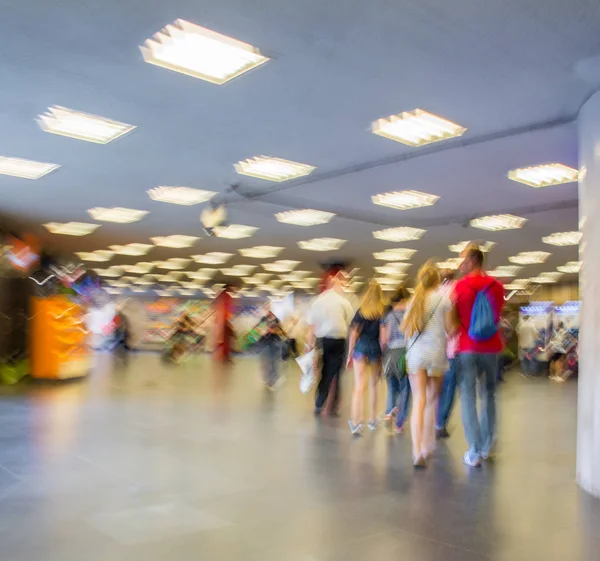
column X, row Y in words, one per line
column 400, row 234
column 281, row 266
column 261, row 251
column 144, row 282
column 186, row 292
column 570, row 267
column 529, row 257
column 395, row 254
column 202, row 275
column 264, row 277
column 201, row 53
column 304, row 217
column 391, row 269
column 387, row 281
column 186, row 196
column 233, row 272
column 139, row 268
column 117, row 214
column 461, row 246
column 253, row 281
column 114, row 291
column 213, row 258
column 164, row 293
column 132, row 249
column 563, row 238
column 173, row 264
column 322, row 244
column 111, row 272
column 516, row 286
column 404, row 200
column 505, row 271
column 552, row 275
column 118, row 283
column 498, row 222
column 544, row 175
column 234, row 231
column 451, row 264
column 83, row 126
column 173, row 276
column 71, row 228
column 246, row 268
column 416, row 128
column 272, row 169
column 98, row 256
column 26, row 169
column 175, row 241
column 294, row 276
column 542, row 280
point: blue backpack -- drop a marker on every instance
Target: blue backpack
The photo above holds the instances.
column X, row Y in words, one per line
column 483, row 324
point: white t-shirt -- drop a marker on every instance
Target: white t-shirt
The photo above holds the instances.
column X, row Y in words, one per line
column 330, row 315
column 528, row 335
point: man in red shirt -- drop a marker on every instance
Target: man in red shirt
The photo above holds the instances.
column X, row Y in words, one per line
column 477, row 357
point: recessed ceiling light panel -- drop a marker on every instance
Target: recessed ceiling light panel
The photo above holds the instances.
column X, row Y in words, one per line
column 213, row 258
column 405, row 200
column 71, row 228
column 186, row 196
column 117, row 214
column 322, row 244
column 201, row 53
column 83, row 126
column 563, row 238
column 26, row 169
column 304, row 217
column 261, row 251
column 529, row 257
column 273, row 169
column 98, row 256
column 175, row 241
column 505, row 271
column 133, row 249
column 570, row 267
column 461, row 246
column 416, row 128
column 498, row 222
column 400, row 234
column 281, row 266
column 544, row 175
column 395, row 254
column 234, row 231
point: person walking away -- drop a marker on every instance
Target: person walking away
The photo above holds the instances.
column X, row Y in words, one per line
column 364, row 352
column 479, row 302
column 426, row 324
column 528, row 335
column 329, row 318
column 271, row 343
column 446, row 403
column 559, row 347
column 398, row 388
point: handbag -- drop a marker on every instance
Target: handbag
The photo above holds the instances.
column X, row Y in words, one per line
column 402, row 368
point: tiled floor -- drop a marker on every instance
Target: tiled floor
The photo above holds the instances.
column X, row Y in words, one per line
column 196, row 463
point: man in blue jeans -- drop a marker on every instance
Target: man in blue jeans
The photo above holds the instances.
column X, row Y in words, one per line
column 477, row 358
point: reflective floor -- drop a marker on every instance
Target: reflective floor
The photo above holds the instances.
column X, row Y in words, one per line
column 152, row 462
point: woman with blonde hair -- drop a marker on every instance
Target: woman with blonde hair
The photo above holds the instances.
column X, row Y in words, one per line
column 364, row 350
column 427, row 321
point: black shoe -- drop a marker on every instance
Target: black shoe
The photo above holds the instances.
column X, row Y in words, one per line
column 441, row 433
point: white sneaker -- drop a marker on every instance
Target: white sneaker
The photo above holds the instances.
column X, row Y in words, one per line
column 356, row 430
column 468, row 461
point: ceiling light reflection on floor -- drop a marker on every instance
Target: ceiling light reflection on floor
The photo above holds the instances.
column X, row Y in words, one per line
column 71, row 228
column 563, row 238
column 201, row 53
column 186, row 196
column 117, row 214
column 498, row 222
column 529, row 257
column 405, row 200
column 82, row 126
column 416, row 128
column 544, row 175
column 272, row 169
column 322, row 244
column 304, row 217
column 26, row 169
column 400, row 234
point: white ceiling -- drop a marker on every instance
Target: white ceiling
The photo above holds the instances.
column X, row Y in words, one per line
column 504, row 70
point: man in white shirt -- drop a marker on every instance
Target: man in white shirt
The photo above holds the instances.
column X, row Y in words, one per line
column 329, row 317
column 528, row 335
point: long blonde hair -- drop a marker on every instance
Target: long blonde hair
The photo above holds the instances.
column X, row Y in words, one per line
column 371, row 305
column 428, row 279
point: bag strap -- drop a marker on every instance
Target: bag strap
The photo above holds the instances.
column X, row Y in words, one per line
column 425, row 324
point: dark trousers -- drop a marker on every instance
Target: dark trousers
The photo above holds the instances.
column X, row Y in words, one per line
column 333, row 352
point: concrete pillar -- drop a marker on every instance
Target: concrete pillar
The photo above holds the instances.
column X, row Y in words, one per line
column 588, row 411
